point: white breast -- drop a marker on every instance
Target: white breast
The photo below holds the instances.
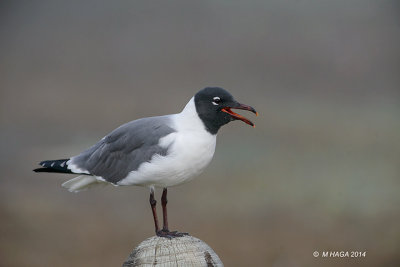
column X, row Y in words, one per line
column 191, row 149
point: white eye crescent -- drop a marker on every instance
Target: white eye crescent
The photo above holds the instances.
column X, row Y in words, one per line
column 216, row 101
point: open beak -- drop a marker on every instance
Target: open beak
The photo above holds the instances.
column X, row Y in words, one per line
column 238, row 116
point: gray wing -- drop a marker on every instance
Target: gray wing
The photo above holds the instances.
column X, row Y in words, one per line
column 125, row 148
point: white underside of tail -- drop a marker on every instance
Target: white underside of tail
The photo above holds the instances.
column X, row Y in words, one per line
column 82, row 183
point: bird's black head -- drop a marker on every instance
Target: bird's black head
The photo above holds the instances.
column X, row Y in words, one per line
column 214, row 104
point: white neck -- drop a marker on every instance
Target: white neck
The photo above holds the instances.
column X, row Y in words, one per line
column 188, row 119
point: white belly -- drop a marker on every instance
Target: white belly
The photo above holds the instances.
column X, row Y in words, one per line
column 189, row 154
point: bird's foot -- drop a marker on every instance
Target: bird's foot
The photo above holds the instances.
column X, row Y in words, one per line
column 170, row 234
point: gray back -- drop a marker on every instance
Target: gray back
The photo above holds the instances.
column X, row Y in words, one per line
column 125, row 148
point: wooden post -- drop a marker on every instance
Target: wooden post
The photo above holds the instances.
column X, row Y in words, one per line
column 179, row 251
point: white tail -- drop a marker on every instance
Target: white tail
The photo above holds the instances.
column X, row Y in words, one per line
column 82, row 183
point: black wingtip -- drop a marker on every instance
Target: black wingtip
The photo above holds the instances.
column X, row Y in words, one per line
column 51, row 170
column 59, row 166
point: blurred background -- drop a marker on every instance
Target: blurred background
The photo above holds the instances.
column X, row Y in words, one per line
column 320, row 172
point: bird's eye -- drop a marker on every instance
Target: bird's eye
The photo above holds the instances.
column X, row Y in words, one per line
column 216, row 100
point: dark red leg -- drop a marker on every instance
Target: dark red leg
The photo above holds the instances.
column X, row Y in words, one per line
column 164, row 202
column 153, row 204
column 165, row 231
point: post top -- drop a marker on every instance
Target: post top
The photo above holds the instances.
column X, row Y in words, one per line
column 179, row 251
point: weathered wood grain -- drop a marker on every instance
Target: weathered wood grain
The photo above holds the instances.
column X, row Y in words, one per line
column 179, row 251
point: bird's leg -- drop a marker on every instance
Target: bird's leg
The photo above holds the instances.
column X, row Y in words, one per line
column 165, row 231
column 153, row 204
column 164, row 202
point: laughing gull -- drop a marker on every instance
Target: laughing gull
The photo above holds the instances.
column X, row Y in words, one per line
column 155, row 152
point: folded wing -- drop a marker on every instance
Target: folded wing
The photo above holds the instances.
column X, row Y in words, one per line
column 124, row 149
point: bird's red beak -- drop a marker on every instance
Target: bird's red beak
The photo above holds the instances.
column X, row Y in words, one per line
column 238, row 116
